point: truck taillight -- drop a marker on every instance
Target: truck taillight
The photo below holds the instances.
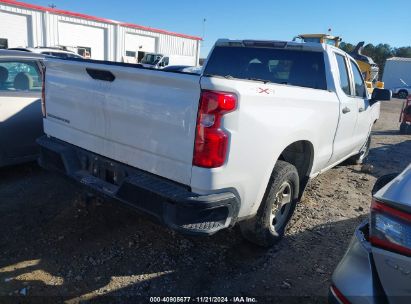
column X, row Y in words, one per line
column 211, row 142
column 43, row 92
column 338, row 295
column 390, row 228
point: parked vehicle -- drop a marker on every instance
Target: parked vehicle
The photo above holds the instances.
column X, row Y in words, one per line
column 236, row 144
column 159, row 61
column 405, row 117
column 377, row 265
column 50, row 51
column 176, row 68
column 401, row 92
column 193, row 69
column 20, row 106
column 183, row 69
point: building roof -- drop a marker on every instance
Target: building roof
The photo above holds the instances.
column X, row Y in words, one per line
column 92, row 18
column 399, row 59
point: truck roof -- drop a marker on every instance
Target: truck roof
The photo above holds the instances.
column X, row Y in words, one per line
column 291, row 45
column 319, row 47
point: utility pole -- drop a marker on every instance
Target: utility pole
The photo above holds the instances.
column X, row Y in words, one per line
column 52, row 5
column 204, row 27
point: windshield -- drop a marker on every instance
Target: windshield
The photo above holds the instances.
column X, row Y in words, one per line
column 151, row 59
column 283, row 66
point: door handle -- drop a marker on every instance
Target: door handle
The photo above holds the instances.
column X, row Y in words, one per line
column 346, row 110
column 361, row 110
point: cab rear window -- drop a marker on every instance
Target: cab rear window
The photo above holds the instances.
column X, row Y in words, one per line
column 282, row 66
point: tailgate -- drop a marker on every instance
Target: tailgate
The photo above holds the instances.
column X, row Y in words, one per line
column 143, row 118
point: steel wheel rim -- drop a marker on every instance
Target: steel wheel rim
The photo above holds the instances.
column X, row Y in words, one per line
column 281, row 206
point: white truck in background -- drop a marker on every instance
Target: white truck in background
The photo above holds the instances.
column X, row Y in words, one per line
column 200, row 153
column 159, row 61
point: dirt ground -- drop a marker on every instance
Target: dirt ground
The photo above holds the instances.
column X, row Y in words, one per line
column 51, row 246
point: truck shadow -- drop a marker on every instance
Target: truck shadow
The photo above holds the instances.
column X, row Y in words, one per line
column 60, row 251
column 18, row 134
column 390, row 158
column 53, row 249
column 387, row 132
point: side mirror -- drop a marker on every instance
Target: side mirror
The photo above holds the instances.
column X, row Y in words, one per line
column 380, row 95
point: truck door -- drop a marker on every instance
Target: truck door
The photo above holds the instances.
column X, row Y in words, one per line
column 344, row 142
column 364, row 123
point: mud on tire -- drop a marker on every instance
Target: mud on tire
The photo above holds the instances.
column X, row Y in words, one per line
column 276, row 209
column 405, row 129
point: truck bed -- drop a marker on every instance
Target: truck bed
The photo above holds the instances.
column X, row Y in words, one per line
column 125, row 113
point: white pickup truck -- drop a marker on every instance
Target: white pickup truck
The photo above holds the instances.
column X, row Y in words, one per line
column 200, row 153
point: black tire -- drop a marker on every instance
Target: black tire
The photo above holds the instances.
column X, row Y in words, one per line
column 403, row 94
column 403, row 128
column 266, row 229
column 382, row 181
column 359, row 158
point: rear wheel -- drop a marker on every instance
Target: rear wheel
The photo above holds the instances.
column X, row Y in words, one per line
column 403, row 128
column 382, row 181
column 402, row 94
column 276, row 209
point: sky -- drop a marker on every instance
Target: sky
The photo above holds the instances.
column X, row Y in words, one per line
column 372, row 21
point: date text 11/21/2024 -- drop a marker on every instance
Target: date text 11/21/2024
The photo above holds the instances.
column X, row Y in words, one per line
column 203, row 300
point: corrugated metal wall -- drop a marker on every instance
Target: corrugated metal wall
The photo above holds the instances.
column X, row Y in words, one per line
column 166, row 44
column 34, row 19
column 43, row 30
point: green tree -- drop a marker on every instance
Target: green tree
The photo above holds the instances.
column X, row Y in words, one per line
column 346, row 47
column 379, row 53
column 404, row 51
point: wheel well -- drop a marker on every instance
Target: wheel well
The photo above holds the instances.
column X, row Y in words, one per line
column 300, row 154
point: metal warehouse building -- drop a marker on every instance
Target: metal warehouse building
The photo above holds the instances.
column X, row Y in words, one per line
column 27, row 25
column 395, row 69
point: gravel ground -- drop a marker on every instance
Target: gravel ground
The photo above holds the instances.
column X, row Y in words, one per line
column 53, row 246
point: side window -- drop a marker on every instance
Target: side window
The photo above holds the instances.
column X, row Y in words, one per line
column 165, row 61
column 131, row 54
column 20, row 76
column 84, row 51
column 358, row 81
column 344, row 78
column 4, row 43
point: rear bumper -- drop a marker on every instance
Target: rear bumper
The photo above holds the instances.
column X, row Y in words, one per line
column 171, row 203
column 355, row 278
